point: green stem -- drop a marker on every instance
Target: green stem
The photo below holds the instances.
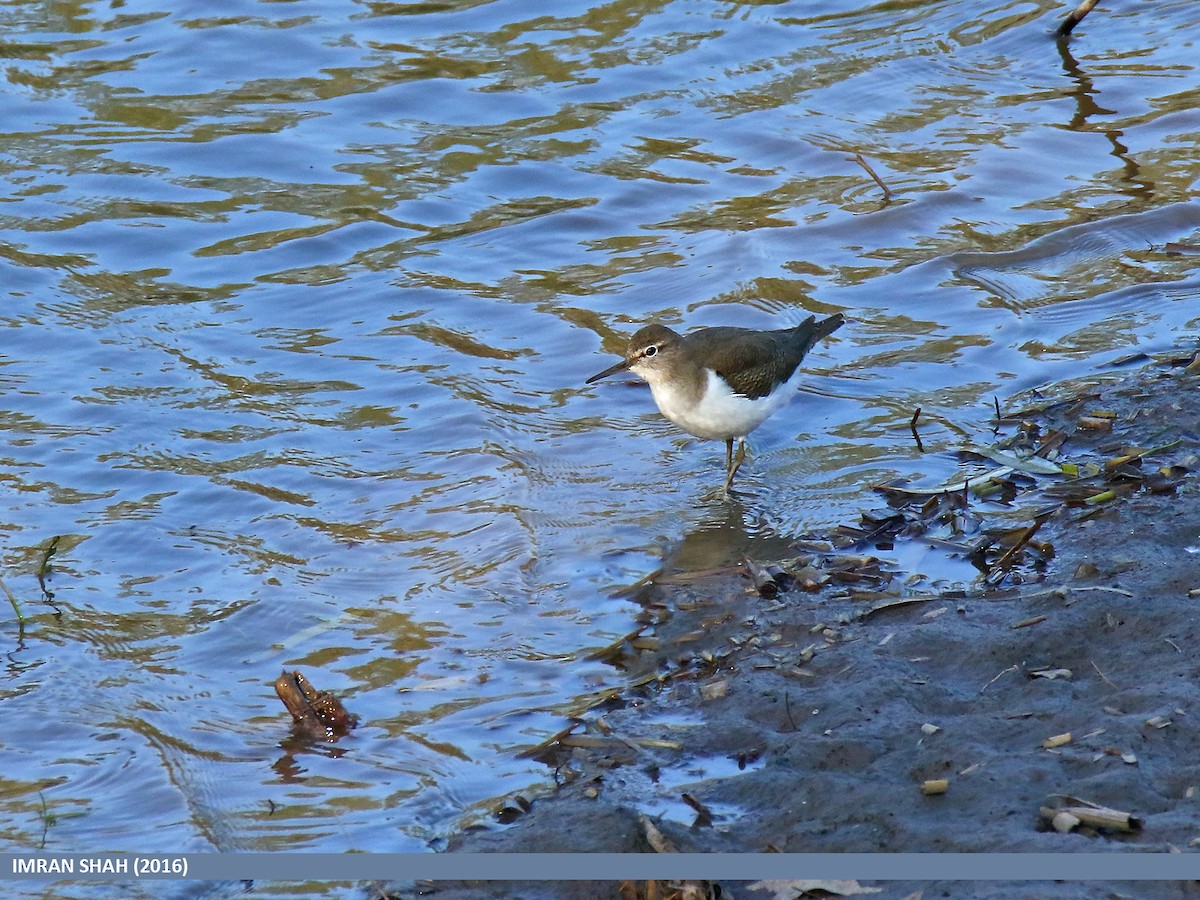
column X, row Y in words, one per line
column 16, row 606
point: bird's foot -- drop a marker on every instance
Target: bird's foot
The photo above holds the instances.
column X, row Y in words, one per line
column 732, row 464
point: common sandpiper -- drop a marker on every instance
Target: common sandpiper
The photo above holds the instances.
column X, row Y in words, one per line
column 721, row 383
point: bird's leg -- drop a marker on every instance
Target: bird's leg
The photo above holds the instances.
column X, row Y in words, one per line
column 733, row 463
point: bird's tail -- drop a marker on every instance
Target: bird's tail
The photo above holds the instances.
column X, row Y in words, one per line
column 826, row 327
column 808, row 332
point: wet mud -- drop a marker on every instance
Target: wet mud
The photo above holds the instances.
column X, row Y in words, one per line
column 835, row 710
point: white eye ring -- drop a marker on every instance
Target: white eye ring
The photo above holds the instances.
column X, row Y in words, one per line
column 651, row 351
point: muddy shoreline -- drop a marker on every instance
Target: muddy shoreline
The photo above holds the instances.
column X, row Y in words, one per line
column 832, row 703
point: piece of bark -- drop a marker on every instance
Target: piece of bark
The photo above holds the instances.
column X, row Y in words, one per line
column 316, row 713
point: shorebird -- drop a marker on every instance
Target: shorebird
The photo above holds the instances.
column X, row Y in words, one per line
column 721, row 383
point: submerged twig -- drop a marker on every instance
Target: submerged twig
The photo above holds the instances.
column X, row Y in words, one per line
column 858, row 158
column 1069, row 23
column 704, row 815
column 913, row 428
column 1024, row 539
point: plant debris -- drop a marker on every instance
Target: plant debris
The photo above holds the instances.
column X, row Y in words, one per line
column 1057, row 740
column 1092, row 816
column 315, row 713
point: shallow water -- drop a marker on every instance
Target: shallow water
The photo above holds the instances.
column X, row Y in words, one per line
column 299, row 300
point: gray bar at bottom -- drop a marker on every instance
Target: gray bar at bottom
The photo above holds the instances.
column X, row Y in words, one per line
column 601, row 866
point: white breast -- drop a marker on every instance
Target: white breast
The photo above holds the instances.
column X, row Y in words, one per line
column 721, row 414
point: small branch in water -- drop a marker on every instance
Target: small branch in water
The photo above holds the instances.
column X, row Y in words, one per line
column 857, row 157
column 16, row 608
column 704, row 816
column 44, row 568
column 912, row 425
column 996, row 428
column 1011, row 554
column 1069, row 23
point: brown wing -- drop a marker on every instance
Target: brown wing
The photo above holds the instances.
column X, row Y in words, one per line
column 754, row 362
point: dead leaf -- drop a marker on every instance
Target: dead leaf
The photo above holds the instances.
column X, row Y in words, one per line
column 658, row 841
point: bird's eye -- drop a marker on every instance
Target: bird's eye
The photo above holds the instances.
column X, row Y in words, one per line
column 652, row 350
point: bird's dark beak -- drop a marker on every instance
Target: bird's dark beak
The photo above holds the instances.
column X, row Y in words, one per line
column 622, row 366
